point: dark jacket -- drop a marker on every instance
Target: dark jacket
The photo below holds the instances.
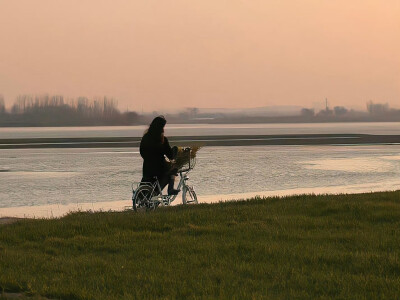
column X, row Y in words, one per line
column 153, row 152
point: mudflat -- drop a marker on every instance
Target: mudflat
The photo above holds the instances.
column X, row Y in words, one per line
column 209, row 140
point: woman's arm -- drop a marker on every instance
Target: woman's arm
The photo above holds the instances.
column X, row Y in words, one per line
column 167, row 149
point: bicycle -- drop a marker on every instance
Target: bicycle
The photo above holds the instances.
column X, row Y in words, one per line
column 148, row 195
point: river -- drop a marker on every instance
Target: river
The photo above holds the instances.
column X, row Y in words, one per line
column 32, row 178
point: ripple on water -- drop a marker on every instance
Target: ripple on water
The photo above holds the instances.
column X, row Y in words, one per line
column 393, row 157
column 358, row 164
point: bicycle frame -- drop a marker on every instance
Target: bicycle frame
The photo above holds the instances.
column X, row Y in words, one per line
column 165, row 200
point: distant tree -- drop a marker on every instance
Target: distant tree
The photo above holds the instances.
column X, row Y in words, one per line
column 340, row 110
column 82, row 105
column 131, row 117
column 307, row 112
column 110, row 107
column 2, row 105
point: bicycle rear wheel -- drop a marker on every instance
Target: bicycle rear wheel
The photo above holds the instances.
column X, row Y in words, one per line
column 141, row 198
column 189, row 195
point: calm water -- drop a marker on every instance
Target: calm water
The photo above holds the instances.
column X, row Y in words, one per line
column 61, row 176
column 204, row 129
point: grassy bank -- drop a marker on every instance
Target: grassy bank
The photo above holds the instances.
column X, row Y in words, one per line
column 303, row 247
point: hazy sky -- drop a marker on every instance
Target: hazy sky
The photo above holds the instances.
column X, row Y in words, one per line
column 155, row 54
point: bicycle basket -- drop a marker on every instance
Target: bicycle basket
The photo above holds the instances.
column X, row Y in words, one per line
column 186, row 158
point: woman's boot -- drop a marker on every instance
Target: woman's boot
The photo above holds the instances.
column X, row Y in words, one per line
column 171, row 190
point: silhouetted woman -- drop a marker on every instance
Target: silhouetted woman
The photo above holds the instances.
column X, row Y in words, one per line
column 153, row 146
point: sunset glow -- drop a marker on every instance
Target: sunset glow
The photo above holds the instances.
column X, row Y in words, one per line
column 173, row 54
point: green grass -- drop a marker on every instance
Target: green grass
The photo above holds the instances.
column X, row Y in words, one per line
column 300, row 247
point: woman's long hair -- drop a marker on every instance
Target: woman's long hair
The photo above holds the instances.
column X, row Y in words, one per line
column 156, row 129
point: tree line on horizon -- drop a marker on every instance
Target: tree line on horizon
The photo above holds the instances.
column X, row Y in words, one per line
column 55, row 110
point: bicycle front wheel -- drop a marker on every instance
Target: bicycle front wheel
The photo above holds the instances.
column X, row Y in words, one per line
column 189, row 195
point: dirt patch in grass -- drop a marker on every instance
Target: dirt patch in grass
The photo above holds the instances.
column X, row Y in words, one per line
column 20, row 296
column 8, row 220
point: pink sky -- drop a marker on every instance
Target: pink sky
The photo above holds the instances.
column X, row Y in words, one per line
column 209, row 53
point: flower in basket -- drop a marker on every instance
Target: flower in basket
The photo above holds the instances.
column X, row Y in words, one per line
column 183, row 157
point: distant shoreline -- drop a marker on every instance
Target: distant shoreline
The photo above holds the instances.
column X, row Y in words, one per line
column 209, row 140
column 227, row 120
